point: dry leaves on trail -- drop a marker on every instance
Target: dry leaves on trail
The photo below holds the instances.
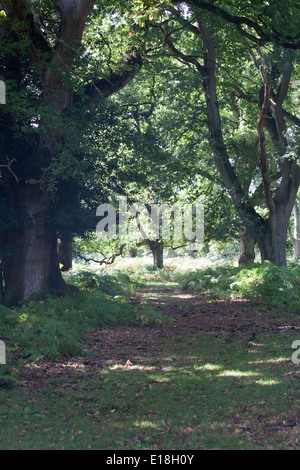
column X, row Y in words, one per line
column 192, row 314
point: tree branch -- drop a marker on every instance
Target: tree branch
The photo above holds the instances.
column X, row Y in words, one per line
column 239, row 21
column 106, row 260
column 73, row 17
column 186, row 58
column 128, row 68
column 294, row 119
column 262, row 144
column 285, row 80
column 8, row 166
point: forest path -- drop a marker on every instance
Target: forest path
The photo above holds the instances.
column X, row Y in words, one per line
column 186, row 314
column 219, row 375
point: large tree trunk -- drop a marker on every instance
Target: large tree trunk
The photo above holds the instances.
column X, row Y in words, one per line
column 273, row 247
column 32, row 267
column 247, row 251
column 133, row 253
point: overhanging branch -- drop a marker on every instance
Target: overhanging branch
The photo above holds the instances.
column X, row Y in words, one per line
column 263, row 36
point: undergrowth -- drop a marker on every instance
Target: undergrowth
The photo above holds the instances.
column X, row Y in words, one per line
column 277, row 287
column 56, row 327
column 113, row 283
column 125, row 279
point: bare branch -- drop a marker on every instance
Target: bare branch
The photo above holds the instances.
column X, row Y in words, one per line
column 128, row 68
column 245, row 42
column 8, row 166
column 180, row 55
column 106, row 260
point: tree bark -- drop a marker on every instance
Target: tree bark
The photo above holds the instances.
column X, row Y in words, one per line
column 273, row 247
column 133, row 253
column 32, row 267
column 157, row 249
column 247, row 251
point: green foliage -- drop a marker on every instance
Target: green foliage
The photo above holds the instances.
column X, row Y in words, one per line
column 57, row 326
column 277, row 287
column 7, row 377
column 116, row 283
column 216, row 280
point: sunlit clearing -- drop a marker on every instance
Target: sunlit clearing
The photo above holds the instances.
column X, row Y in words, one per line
column 73, row 365
column 258, row 345
column 159, row 378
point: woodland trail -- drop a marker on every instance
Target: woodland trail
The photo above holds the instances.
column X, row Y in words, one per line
column 219, row 375
column 190, row 314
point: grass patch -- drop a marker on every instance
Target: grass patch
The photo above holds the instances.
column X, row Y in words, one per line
column 188, row 392
column 203, row 393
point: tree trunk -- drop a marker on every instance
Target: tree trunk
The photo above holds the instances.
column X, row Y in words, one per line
column 32, row 267
column 296, row 240
column 65, row 251
column 247, row 251
column 273, row 247
column 270, row 234
column 157, row 249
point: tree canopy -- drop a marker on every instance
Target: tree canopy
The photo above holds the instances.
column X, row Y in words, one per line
column 156, row 100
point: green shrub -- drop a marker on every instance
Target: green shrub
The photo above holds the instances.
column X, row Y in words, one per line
column 277, row 287
column 214, row 280
column 114, row 283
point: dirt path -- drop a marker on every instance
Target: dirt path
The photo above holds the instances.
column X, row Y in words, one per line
column 218, row 376
column 191, row 314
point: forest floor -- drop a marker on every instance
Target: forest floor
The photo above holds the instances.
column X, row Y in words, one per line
column 214, row 375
